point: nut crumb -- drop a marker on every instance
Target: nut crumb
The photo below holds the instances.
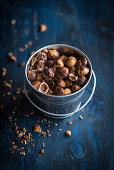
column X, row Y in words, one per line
column 80, row 117
column 13, row 21
column 43, row 144
column 22, row 153
column 69, row 123
column 37, row 128
column 59, row 129
column 68, row 133
column 43, row 27
column 55, row 124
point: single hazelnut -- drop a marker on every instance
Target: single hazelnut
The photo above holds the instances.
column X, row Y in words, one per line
column 61, row 83
column 72, row 70
column 63, row 58
column 75, row 88
column 58, row 63
column 36, row 84
column 53, row 54
column 50, row 63
column 81, row 80
column 40, row 77
column 48, row 72
column 49, row 82
column 40, row 65
column 83, row 61
column 33, row 64
column 82, row 70
column 42, row 56
column 68, row 83
column 71, row 62
column 44, row 87
column 59, row 91
column 72, row 77
column 67, row 91
column 62, row 72
column 31, row 75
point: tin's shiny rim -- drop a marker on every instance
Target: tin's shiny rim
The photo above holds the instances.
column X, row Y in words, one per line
column 55, row 45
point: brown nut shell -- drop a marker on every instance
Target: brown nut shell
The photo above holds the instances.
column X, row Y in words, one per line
column 75, row 88
column 36, row 84
column 62, row 72
column 49, row 72
column 58, row 63
column 81, row 80
column 61, row 83
column 50, row 83
column 31, row 75
column 49, row 63
column 82, row 70
column 68, row 83
column 40, row 65
column 67, row 91
column 41, row 56
column 71, row 62
column 59, row 91
column 44, row 87
column 72, row 77
column 53, row 54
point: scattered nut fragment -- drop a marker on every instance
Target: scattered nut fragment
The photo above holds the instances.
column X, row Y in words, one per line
column 26, row 46
column 37, row 128
column 80, row 117
column 43, row 27
column 59, row 129
column 23, row 142
column 17, row 91
column 67, row 91
column 55, row 124
column 59, row 90
column 61, row 83
column 53, row 54
column 21, row 64
column 13, row 58
column 71, row 62
column 69, row 123
column 13, row 21
column 75, row 88
column 43, row 87
column 10, row 54
column 22, row 153
column 68, row 133
column 6, row 84
column 43, row 144
column 36, row 84
column 62, row 72
column 72, row 77
column 4, row 71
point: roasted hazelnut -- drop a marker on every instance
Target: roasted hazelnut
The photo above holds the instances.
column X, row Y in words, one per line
column 40, row 77
column 72, row 70
column 82, row 61
column 53, row 54
column 67, row 91
column 68, row 83
column 36, row 84
column 63, row 58
column 82, row 70
column 49, row 82
column 44, row 87
column 61, row 83
column 62, row 72
column 59, row 90
column 50, row 63
column 72, row 77
column 31, row 75
column 71, row 62
column 34, row 64
column 81, row 80
column 58, row 63
column 42, row 56
column 40, row 65
column 75, row 88
column 48, row 72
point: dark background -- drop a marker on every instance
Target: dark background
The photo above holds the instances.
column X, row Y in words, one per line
column 87, row 25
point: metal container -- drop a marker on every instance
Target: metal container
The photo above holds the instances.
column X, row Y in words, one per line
column 59, row 106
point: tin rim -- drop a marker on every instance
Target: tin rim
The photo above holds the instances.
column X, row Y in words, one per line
column 55, row 45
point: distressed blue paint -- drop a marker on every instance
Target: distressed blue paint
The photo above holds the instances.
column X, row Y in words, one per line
column 86, row 25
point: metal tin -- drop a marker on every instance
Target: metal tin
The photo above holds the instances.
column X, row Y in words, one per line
column 58, row 106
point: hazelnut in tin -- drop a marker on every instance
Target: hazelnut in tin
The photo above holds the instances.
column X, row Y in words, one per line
column 71, row 62
column 59, row 90
column 40, row 65
column 62, row 72
column 82, row 70
column 48, row 72
column 75, row 88
column 58, row 63
column 67, row 91
column 72, row 77
column 36, row 84
column 31, row 75
column 53, row 54
column 44, row 87
column 61, row 83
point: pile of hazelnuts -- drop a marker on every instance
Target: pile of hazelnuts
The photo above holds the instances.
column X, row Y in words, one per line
column 56, row 74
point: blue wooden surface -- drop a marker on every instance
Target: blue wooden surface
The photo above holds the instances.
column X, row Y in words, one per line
column 87, row 25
